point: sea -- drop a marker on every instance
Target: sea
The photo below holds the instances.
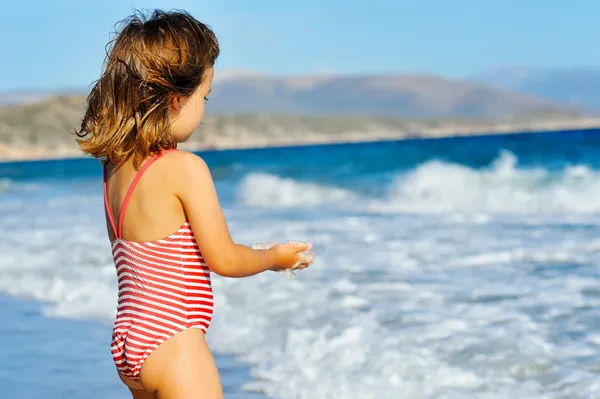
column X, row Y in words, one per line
column 450, row 268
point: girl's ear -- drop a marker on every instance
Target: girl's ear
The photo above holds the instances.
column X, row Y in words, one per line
column 176, row 103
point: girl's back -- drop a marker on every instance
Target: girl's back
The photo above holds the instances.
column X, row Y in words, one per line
column 153, row 211
column 164, row 283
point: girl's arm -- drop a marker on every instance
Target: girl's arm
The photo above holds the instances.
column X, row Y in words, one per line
column 196, row 191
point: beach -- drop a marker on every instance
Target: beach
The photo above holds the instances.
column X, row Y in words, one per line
column 460, row 267
column 443, row 161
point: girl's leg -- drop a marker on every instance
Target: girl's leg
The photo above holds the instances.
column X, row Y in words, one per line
column 182, row 368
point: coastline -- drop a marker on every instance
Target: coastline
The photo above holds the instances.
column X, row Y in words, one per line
column 10, row 153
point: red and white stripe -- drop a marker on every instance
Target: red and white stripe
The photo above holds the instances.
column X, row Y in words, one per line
column 164, row 288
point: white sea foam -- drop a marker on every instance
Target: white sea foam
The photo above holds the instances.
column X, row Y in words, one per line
column 437, row 187
column 267, row 190
column 399, row 305
column 502, row 188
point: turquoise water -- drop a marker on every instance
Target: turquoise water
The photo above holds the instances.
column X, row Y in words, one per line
column 447, row 268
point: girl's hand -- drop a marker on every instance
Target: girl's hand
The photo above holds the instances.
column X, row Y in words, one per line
column 293, row 255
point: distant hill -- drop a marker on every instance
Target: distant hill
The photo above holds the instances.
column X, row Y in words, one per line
column 248, row 109
column 11, row 98
column 400, row 96
column 577, row 86
column 404, row 96
column 41, row 129
column 28, row 97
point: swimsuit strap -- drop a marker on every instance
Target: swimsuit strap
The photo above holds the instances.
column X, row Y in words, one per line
column 118, row 232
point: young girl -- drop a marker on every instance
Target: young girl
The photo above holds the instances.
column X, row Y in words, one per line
column 162, row 212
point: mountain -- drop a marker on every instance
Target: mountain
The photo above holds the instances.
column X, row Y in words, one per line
column 399, row 96
column 13, row 98
column 577, row 86
column 247, row 109
column 41, row 129
column 405, row 96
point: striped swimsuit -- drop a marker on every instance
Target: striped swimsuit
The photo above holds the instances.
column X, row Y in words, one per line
column 164, row 288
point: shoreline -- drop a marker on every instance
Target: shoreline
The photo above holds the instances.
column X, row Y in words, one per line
column 10, row 153
column 18, row 310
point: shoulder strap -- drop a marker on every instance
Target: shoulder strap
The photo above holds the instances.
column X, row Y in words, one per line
column 134, row 183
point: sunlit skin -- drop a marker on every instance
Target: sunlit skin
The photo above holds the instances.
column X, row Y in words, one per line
column 185, row 114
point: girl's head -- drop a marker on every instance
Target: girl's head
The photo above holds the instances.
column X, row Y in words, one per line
column 151, row 94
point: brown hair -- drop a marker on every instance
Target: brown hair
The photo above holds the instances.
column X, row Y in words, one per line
column 151, row 61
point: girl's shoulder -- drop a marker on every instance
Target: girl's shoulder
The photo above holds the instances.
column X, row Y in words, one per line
column 180, row 157
column 184, row 162
column 182, row 168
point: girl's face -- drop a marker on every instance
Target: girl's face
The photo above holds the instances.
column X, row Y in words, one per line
column 185, row 114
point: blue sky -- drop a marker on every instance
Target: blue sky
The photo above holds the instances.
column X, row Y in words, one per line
column 48, row 45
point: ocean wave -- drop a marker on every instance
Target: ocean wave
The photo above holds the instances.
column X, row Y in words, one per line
column 262, row 189
column 441, row 187
column 414, row 315
column 437, row 186
column 396, row 306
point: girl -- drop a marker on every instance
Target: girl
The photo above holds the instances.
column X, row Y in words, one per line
column 163, row 216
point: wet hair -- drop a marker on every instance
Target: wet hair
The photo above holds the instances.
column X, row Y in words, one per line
column 149, row 62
